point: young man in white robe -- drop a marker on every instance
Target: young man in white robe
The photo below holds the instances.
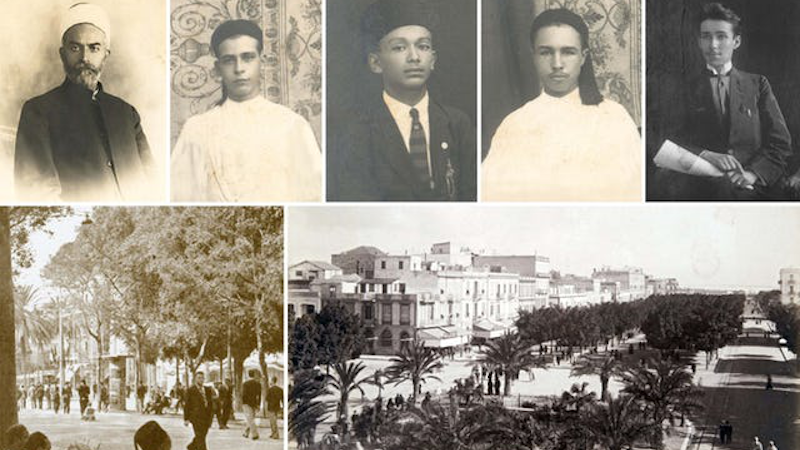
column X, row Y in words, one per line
column 245, row 149
column 569, row 143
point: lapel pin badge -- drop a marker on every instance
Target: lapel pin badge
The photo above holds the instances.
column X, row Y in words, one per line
column 445, row 146
column 749, row 114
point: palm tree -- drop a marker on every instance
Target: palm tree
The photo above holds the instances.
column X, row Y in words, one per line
column 577, row 397
column 305, row 411
column 618, row 424
column 602, row 365
column 416, row 363
column 345, row 380
column 665, row 388
column 437, row 427
column 35, row 328
column 510, row 354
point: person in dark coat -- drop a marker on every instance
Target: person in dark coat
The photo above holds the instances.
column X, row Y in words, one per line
column 732, row 120
column 405, row 145
column 225, row 404
column 83, row 396
column 251, row 403
column 199, row 411
column 77, row 142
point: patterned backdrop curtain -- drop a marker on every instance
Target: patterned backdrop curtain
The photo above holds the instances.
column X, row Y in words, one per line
column 507, row 69
column 292, row 48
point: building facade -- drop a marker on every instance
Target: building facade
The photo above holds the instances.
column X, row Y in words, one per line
column 790, row 286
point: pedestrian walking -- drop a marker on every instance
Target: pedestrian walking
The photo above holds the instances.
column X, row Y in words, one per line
column 722, row 432
column 225, row 403
column 728, row 432
column 199, row 411
column 141, row 390
column 104, row 397
column 56, row 399
column 757, row 444
column 274, row 407
column 67, row 398
column 251, row 403
column 772, row 446
column 769, row 382
column 83, row 396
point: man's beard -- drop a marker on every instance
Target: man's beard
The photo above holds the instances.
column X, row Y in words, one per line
column 84, row 74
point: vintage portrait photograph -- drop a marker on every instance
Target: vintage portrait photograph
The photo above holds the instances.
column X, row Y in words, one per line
column 483, row 327
column 156, row 327
column 723, row 121
column 401, row 100
column 561, row 100
column 245, row 101
column 83, row 115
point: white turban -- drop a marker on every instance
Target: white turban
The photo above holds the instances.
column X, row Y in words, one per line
column 87, row 13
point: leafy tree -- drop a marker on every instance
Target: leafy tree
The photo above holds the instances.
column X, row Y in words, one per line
column 415, row 363
column 304, row 338
column 341, row 334
column 511, row 355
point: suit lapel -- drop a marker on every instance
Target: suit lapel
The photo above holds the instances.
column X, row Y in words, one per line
column 737, row 109
column 441, row 145
column 389, row 141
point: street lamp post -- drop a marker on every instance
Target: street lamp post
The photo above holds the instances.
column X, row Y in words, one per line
column 61, row 348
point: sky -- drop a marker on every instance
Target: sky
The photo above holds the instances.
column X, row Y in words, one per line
column 702, row 245
column 44, row 246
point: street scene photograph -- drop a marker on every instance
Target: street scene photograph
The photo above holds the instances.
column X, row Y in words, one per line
column 580, row 328
column 141, row 327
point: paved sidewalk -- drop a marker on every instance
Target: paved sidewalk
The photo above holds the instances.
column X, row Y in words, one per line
column 115, row 430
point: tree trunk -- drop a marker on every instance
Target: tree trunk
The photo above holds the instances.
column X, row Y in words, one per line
column 604, row 388
column 507, row 385
column 238, row 371
column 8, row 370
column 262, row 362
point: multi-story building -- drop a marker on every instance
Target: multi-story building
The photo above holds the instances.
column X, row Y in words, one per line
column 313, row 270
column 569, row 291
column 360, row 261
column 631, row 282
column 790, row 286
column 534, row 276
column 661, row 286
column 437, row 298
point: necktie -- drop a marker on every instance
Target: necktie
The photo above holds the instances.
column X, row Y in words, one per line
column 418, row 148
column 721, row 94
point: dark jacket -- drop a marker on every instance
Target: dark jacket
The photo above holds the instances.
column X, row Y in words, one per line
column 251, row 393
column 274, row 398
column 70, row 147
column 198, row 410
column 369, row 161
column 755, row 132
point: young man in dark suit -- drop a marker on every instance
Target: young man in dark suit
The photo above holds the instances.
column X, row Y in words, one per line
column 405, row 145
column 199, row 411
column 732, row 120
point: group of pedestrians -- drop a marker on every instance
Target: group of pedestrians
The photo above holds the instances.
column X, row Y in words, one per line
column 726, row 436
column 48, row 396
column 204, row 402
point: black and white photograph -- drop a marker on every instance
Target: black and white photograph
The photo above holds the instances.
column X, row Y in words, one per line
column 723, row 121
column 152, row 326
column 586, row 327
column 246, row 101
column 401, row 100
column 83, row 117
column 561, row 100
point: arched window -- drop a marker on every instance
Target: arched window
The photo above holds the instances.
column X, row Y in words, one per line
column 386, row 338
